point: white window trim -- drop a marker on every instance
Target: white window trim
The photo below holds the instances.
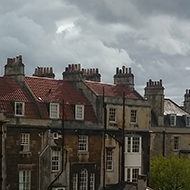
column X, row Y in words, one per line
column 92, row 181
column 80, row 139
column 25, row 142
column 52, row 115
column 83, row 179
column 112, row 121
column 75, row 181
column 53, row 154
column 23, row 183
column 131, row 145
column 130, row 178
column 111, row 160
column 23, row 108
column 174, row 122
column 77, row 107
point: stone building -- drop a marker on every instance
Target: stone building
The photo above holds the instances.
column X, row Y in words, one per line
column 74, row 133
column 170, row 123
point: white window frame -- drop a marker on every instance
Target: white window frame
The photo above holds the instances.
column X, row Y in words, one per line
column 133, row 116
column 132, row 175
column 54, row 110
column 19, row 108
column 75, row 181
column 92, row 181
column 172, row 120
column 112, row 115
column 109, row 160
column 82, row 143
column 176, row 142
column 187, row 121
column 55, row 160
column 25, row 142
column 133, row 144
column 84, row 179
column 24, row 179
column 79, row 112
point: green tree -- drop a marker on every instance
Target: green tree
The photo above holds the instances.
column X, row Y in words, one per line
column 170, row 173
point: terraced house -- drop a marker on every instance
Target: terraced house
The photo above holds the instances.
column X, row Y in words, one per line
column 73, row 133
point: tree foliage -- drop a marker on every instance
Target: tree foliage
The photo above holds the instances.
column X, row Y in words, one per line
column 170, row 173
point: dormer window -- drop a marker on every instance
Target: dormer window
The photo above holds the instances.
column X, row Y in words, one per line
column 54, row 110
column 187, row 121
column 79, row 112
column 19, row 108
column 172, row 120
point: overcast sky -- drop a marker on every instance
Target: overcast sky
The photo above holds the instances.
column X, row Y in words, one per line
column 150, row 36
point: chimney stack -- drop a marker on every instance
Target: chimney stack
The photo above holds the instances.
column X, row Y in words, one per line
column 44, row 72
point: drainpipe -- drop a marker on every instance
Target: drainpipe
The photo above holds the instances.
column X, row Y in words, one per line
column 104, row 146
column 164, row 146
column 62, row 123
column 123, row 142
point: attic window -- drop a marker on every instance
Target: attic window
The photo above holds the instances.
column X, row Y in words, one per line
column 54, row 110
column 187, row 121
column 19, row 108
column 173, row 120
column 79, row 112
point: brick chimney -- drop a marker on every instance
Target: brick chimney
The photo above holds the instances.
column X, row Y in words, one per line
column 124, row 76
column 154, row 92
column 15, row 68
column 44, row 72
column 142, row 182
column 74, row 73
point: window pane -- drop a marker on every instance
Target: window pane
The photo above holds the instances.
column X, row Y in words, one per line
column 19, row 108
column 24, row 142
column 75, row 181
column 112, row 112
column 55, row 160
column 54, row 110
column 92, row 181
column 83, row 179
column 24, row 180
column 109, row 160
column 136, row 144
column 79, row 112
column 176, row 143
column 83, row 143
column 133, row 116
column 135, row 173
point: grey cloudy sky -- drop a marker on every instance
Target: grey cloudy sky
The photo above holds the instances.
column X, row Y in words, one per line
column 150, row 36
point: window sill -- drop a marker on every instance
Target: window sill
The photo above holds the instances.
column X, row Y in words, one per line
column 83, row 152
column 25, row 152
column 109, row 170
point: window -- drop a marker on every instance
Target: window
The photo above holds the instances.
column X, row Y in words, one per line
column 25, row 142
column 83, row 179
column 82, row 143
column 55, row 161
column 132, row 174
column 92, row 181
column 54, row 110
column 19, row 108
column 109, row 159
column 176, row 143
column 79, row 112
column 133, row 144
column 75, row 181
column 187, row 121
column 172, row 120
column 133, row 116
column 24, row 179
column 112, row 115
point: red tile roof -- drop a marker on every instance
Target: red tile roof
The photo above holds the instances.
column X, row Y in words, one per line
column 51, row 90
column 112, row 90
column 10, row 92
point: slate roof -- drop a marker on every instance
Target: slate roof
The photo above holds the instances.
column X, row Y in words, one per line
column 112, row 90
column 171, row 107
